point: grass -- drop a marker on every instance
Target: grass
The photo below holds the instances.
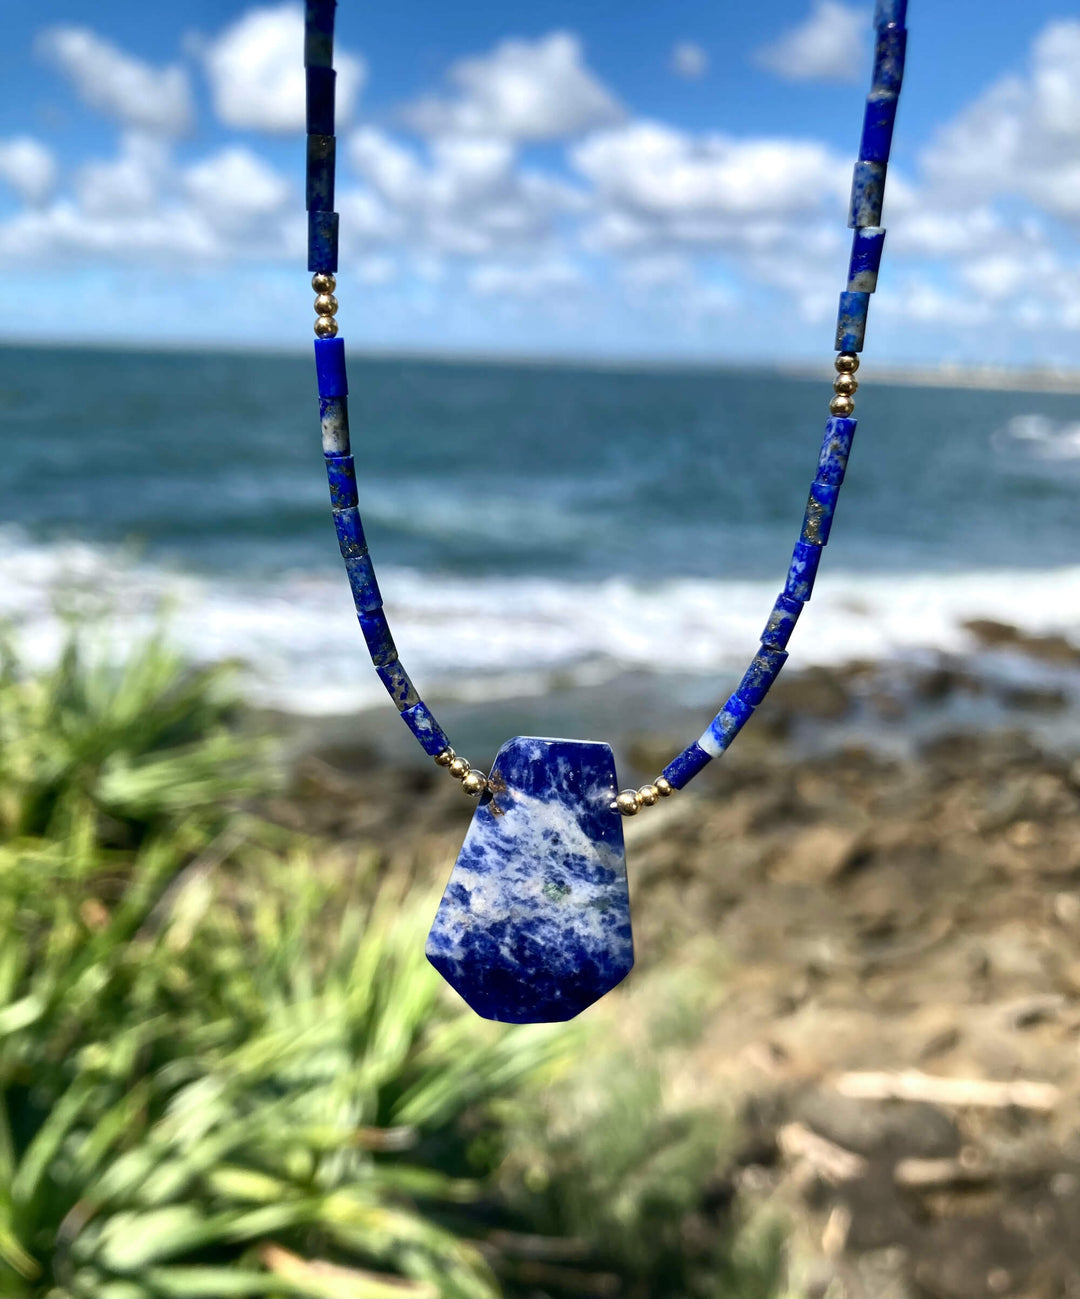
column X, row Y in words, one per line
column 220, row 1076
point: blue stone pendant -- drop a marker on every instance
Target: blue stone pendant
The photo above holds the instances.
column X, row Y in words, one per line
column 535, row 922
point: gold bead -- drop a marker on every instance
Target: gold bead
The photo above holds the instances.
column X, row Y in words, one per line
column 323, row 282
column 459, row 768
column 475, row 783
column 445, row 758
column 325, row 327
column 841, row 405
column 846, row 385
column 628, row 802
column 326, row 305
column 649, row 795
column 847, row 362
column 663, row 787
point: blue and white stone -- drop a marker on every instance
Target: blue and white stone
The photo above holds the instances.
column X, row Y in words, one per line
column 534, row 925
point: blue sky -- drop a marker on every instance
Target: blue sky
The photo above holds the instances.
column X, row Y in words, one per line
column 661, row 180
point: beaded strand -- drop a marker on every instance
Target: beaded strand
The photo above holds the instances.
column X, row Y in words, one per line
column 867, row 193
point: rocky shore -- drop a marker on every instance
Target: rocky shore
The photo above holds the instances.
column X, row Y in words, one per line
column 892, row 937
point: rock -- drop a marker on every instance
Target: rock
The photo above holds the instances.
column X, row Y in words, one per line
column 898, row 1129
column 815, row 692
column 817, row 855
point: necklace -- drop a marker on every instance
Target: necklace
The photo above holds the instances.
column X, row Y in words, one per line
column 534, row 925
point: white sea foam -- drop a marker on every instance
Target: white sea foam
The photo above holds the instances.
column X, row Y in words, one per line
column 1045, row 438
column 477, row 637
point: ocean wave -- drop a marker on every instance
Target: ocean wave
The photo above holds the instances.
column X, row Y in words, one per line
column 1045, row 438
column 502, row 636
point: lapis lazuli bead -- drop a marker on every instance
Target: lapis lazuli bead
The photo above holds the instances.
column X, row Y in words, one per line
column 763, row 670
column 724, row 727
column 330, row 367
column 534, row 925
column 399, row 687
column 851, row 321
column 867, row 194
column 686, row 765
column 421, row 721
column 781, row 623
column 321, row 150
column 334, row 421
column 878, row 123
column 817, row 521
column 380, row 643
column 341, row 475
column 322, row 241
column 319, row 33
column 835, row 449
column 320, row 100
column 803, row 570
column 889, row 61
column 890, row 13
column 364, row 584
column 350, row 532
column 866, row 249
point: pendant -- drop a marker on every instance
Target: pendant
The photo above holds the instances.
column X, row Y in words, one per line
column 534, row 924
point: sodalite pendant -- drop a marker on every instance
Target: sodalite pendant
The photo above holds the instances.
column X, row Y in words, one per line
column 535, row 922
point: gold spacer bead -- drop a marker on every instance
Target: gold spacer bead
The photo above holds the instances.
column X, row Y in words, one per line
column 841, row 405
column 326, row 305
column 663, row 787
column 628, row 802
column 649, row 795
column 459, row 768
column 475, row 783
column 846, row 385
column 323, row 282
column 325, row 327
column 847, row 362
column 445, row 758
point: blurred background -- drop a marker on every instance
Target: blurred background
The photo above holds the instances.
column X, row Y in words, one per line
column 590, row 261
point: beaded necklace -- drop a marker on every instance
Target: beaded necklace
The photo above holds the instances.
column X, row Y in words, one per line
column 534, row 925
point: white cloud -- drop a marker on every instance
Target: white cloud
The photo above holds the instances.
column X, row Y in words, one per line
column 523, row 90
column 28, row 167
column 689, row 60
column 129, row 183
column 137, row 94
column 236, row 187
column 256, row 73
column 828, row 46
column 539, row 279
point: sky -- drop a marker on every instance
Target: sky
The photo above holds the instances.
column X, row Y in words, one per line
column 616, row 180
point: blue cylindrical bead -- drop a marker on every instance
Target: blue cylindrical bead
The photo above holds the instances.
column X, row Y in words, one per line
column 851, row 321
column 803, row 570
column 724, row 727
column 321, row 154
column 350, row 532
column 341, row 475
column 889, row 61
column 890, row 13
column 835, row 449
column 781, row 623
column 878, row 122
column 866, row 249
column 421, row 722
column 817, row 521
column 319, row 33
column 330, row 367
column 322, row 241
column 867, row 194
column 763, row 670
column 320, row 100
column 380, row 643
column 334, row 420
column 398, row 686
column 365, row 587
column 686, row 766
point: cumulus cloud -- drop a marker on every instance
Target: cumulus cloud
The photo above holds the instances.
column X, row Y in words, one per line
column 256, row 74
column 236, row 187
column 689, row 60
column 136, row 94
column 129, row 183
column 28, row 167
column 828, row 46
column 530, row 280
column 522, row 90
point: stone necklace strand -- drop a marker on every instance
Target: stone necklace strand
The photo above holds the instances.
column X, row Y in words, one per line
column 534, row 924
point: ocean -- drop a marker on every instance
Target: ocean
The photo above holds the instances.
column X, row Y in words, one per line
column 537, row 528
